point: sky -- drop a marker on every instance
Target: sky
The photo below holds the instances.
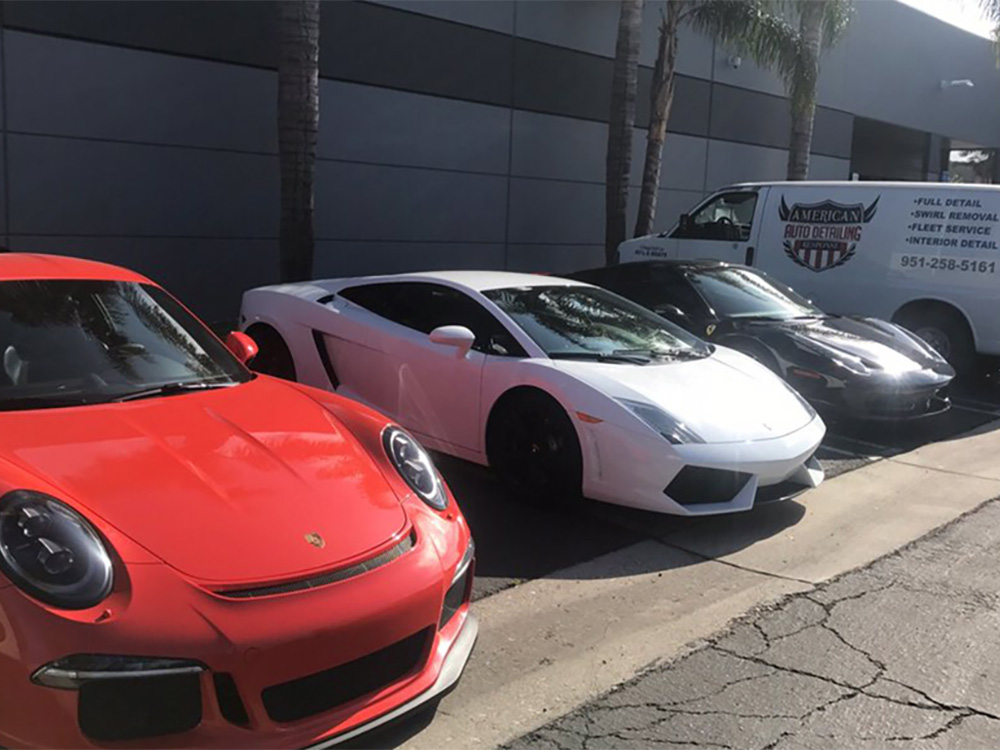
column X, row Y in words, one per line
column 962, row 13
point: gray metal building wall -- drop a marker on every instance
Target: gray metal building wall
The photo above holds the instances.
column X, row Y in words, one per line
column 455, row 133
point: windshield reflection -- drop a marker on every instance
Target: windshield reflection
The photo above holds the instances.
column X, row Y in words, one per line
column 742, row 293
column 72, row 342
column 577, row 321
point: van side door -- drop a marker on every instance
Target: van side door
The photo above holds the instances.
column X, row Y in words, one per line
column 721, row 228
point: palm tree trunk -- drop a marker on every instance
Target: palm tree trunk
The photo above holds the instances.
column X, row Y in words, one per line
column 298, row 124
column 621, row 121
column 661, row 98
column 802, row 91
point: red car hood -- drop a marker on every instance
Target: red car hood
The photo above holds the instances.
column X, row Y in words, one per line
column 224, row 485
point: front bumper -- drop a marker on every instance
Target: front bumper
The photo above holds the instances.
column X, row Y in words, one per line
column 878, row 397
column 253, row 645
column 641, row 471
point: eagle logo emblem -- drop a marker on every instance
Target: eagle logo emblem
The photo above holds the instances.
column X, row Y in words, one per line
column 825, row 235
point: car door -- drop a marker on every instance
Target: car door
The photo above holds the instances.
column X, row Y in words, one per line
column 721, row 228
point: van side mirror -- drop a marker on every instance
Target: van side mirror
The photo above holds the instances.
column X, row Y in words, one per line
column 244, row 347
column 459, row 337
column 684, row 223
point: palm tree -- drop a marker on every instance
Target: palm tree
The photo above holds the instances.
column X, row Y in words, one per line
column 298, row 125
column 624, row 84
column 749, row 26
column 822, row 23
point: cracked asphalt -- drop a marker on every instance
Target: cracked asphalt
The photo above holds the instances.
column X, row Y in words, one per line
column 903, row 652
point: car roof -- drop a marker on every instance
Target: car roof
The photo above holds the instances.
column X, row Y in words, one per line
column 29, row 266
column 475, row 280
column 864, row 184
column 682, row 263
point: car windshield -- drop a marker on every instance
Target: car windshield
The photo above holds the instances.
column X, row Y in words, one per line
column 742, row 293
column 589, row 322
column 74, row 342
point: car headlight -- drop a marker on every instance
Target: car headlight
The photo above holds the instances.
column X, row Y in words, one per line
column 51, row 552
column 415, row 467
column 659, row 421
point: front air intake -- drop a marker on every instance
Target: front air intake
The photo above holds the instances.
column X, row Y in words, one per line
column 698, row 485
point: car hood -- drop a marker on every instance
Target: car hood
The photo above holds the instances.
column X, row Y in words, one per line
column 881, row 345
column 725, row 398
column 224, row 485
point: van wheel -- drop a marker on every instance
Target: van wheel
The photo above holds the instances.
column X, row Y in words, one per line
column 274, row 357
column 944, row 328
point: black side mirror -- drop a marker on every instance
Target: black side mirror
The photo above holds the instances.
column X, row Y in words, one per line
column 684, row 224
column 671, row 311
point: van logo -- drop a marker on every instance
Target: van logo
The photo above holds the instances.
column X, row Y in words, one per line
column 821, row 236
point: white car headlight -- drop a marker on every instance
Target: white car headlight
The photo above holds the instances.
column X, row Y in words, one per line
column 660, row 421
column 414, row 466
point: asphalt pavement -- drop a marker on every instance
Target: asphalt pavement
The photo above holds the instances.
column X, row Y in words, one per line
column 901, row 653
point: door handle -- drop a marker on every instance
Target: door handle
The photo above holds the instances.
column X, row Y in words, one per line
column 749, row 257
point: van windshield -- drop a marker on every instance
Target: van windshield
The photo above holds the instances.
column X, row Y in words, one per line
column 743, row 293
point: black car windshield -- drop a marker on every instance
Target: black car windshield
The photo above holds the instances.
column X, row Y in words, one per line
column 589, row 322
column 73, row 342
column 743, row 293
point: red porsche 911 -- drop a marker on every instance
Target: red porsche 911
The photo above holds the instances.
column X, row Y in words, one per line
column 192, row 555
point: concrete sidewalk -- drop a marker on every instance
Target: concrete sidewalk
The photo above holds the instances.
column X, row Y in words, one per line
column 901, row 653
column 551, row 645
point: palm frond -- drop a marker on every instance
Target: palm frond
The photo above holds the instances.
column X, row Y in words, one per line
column 751, row 28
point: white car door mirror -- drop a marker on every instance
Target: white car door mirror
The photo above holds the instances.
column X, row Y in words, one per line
column 459, row 337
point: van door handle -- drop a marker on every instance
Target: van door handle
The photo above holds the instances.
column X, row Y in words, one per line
column 749, row 258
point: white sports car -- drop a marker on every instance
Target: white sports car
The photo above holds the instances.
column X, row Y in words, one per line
column 561, row 386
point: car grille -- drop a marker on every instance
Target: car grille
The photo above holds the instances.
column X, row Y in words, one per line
column 136, row 708
column 324, row 579
column 307, row 696
column 697, row 485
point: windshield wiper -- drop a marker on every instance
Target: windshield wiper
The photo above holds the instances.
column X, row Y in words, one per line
column 173, row 389
column 625, row 355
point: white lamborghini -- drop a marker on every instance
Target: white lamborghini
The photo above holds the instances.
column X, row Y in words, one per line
column 562, row 387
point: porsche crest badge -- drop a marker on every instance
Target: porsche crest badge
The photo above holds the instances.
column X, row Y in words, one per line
column 316, row 540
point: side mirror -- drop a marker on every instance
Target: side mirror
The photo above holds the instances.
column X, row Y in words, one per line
column 684, row 223
column 459, row 337
column 670, row 311
column 244, row 347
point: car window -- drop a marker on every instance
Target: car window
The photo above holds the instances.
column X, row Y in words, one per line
column 567, row 321
column 424, row 307
column 654, row 286
column 726, row 217
column 735, row 292
column 72, row 342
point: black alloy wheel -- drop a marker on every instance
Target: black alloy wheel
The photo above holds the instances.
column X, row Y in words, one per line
column 532, row 445
column 274, row 357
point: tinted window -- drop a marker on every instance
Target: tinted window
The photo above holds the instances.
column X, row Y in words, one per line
column 744, row 293
column 424, row 307
column 582, row 320
column 726, row 217
column 74, row 342
column 655, row 286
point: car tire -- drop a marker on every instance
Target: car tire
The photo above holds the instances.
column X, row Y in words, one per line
column 943, row 328
column 533, row 447
column 274, row 357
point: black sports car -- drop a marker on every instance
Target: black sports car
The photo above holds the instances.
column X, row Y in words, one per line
column 859, row 367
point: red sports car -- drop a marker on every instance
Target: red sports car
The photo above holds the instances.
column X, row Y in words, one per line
column 192, row 555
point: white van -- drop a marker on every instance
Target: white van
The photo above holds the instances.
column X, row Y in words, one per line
column 926, row 255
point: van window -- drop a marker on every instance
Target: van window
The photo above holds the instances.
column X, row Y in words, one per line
column 726, row 217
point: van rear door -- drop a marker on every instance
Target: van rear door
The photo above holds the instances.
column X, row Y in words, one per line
column 724, row 227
